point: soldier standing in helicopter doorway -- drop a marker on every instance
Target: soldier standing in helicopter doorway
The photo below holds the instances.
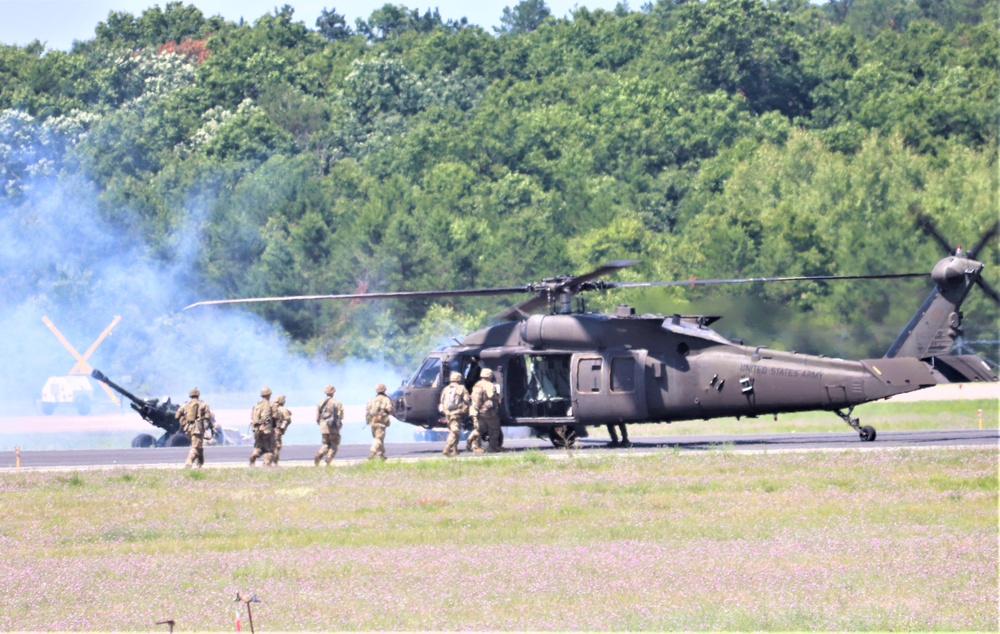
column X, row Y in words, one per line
column 377, row 414
column 454, row 405
column 262, row 422
column 195, row 418
column 485, row 410
column 330, row 418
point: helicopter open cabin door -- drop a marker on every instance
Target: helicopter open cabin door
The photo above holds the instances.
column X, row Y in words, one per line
column 609, row 387
column 421, row 394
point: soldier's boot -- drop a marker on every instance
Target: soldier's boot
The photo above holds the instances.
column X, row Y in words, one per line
column 317, row 459
column 371, row 455
column 479, row 450
column 253, row 459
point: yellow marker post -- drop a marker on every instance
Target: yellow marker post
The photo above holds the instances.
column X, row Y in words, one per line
column 980, row 419
column 17, row 457
column 82, row 367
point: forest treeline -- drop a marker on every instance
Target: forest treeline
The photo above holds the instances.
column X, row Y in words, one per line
column 713, row 138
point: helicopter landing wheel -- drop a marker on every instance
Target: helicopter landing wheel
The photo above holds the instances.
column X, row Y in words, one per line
column 867, row 433
column 563, row 437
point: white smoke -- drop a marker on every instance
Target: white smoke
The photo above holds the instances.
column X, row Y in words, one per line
column 61, row 259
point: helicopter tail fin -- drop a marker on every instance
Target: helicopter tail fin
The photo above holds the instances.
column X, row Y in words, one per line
column 935, row 326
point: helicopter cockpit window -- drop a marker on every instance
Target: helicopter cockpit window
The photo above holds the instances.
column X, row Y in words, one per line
column 428, row 374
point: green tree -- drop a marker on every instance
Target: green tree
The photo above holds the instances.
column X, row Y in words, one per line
column 743, row 47
column 333, row 26
column 525, row 17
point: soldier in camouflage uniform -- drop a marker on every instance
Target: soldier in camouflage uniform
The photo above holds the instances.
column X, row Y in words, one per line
column 196, row 419
column 625, row 442
column 262, row 422
column 282, row 419
column 455, row 406
column 330, row 418
column 377, row 414
column 485, row 410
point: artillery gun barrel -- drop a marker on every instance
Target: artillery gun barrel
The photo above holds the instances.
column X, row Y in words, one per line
column 100, row 376
column 157, row 414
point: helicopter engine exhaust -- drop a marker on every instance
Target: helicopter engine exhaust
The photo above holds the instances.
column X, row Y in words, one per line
column 541, row 331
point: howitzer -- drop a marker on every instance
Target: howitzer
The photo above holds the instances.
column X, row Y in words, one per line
column 156, row 413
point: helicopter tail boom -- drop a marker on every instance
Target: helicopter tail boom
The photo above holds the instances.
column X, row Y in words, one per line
column 907, row 374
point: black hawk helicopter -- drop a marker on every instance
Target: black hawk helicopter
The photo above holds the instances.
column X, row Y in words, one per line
column 563, row 370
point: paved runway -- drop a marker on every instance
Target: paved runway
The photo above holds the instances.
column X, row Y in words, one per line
column 293, row 455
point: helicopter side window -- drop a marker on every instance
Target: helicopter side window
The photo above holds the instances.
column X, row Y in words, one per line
column 623, row 374
column 427, row 375
column 588, row 375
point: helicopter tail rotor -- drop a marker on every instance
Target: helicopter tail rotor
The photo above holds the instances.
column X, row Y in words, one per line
column 925, row 224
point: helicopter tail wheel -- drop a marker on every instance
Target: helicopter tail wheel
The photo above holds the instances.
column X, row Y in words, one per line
column 867, row 432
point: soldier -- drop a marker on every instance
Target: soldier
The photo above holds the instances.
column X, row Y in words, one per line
column 262, row 421
column 614, row 437
column 485, row 411
column 377, row 415
column 455, row 406
column 330, row 418
column 282, row 419
column 196, row 419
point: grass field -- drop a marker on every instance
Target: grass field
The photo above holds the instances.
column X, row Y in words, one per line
column 883, row 415
column 853, row 540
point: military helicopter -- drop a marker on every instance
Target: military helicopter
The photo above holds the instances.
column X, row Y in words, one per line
column 564, row 369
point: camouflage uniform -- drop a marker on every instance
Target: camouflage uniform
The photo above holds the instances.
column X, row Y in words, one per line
column 485, row 411
column 195, row 418
column 614, row 436
column 455, row 406
column 262, row 422
column 282, row 420
column 377, row 414
column 330, row 418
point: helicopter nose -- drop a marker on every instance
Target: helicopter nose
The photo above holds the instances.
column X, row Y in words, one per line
column 398, row 403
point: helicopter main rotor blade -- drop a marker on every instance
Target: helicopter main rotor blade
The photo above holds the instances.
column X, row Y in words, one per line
column 748, row 280
column 548, row 289
column 481, row 292
column 606, row 269
column 523, row 309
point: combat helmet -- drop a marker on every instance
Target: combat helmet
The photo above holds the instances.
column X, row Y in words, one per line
column 329, row 390
column 380, row 388
column 265, row 391
column 455, row 377
column 486, row 373
column 280, row 400
column 194, row 393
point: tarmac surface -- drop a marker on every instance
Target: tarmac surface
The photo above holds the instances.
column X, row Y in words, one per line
column 399, row 443
column 302, row 455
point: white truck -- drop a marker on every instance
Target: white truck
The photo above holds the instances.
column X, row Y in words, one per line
column 72, row 389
